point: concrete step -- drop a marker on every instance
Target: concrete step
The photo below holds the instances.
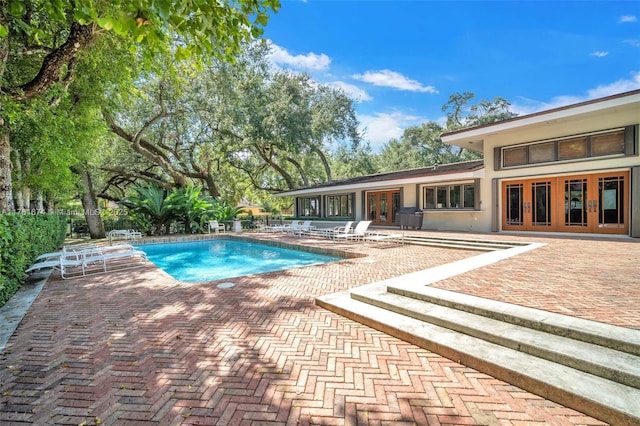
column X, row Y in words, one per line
column 471, row 244
column 536, row 361
column 456, row 245
column 617, row 338
column 602, row 361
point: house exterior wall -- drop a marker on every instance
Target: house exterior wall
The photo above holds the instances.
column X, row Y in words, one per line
column 614, row 118
column 484, row 214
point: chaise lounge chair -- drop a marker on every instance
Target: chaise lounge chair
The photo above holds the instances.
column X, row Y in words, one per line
column 396, row 238
column 126, row 234
column 285, row 228
column 359, row 232
column 78, row 250
column 299, row 229
column 73, row 264
column 330, row 232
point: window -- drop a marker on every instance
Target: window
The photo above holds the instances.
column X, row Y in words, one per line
column 607, row 144
column 572, row 148
column 515, row 156
column 460, row 196
column 339, row 205
column 308, row 206
column 542, row 152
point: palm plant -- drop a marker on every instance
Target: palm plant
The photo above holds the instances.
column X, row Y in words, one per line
column 191, row 207
column 223, row 211
column 151, row 208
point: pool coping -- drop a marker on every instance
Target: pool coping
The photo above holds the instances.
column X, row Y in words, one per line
column 280, row 244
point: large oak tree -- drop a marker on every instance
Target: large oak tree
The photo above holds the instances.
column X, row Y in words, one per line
column 41, row 42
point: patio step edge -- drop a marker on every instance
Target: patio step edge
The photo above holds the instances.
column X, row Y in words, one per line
column 594, row 359
column 595, row 396
column 615, row 337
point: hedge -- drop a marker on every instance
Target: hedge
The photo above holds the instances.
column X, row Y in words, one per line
column 22, row 238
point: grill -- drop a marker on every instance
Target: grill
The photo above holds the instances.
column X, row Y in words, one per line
column 409, row 217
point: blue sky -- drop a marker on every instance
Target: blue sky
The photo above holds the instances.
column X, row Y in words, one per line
column 402, row 59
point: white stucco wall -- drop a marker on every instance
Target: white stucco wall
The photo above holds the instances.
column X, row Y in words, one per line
column 557, row 126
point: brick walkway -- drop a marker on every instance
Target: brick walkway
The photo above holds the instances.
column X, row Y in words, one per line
column 139, row 348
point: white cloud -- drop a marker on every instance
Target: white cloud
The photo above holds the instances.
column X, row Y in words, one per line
column 627, row 18
column 528, row 106
column 310, row 61
column 351, row 90
column 634, row 43
column 388, row 78
column 599, row 54
column 379, row 128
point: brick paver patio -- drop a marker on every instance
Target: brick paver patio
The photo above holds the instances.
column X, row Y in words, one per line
column 139, row 348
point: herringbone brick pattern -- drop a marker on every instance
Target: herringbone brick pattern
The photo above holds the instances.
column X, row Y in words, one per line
column 139, row 348
column 595, row 279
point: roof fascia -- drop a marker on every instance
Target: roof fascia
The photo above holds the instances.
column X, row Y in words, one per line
column 538, row 118
column 473, row 174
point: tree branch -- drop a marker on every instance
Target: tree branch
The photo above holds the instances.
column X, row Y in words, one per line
column 80, row 37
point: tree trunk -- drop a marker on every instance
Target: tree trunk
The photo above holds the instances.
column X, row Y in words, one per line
column 39, row 203
column 325, row 162
column 90, row 206
column 6, row 195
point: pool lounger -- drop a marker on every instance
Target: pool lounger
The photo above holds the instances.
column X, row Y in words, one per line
column 78, row 264
column 379, row 238
column 77, row 250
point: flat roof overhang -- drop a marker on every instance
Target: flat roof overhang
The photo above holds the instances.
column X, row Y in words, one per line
column 381, row 184
column 473, row 138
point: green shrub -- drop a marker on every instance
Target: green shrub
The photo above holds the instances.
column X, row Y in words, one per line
column 22, row 238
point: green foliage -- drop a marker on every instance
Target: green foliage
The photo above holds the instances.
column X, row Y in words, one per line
column 22, row 238
column 150, row 209
column 421, row 146
column 155, row 209
column 224, row 211
column 200, row 28
column 191, row 207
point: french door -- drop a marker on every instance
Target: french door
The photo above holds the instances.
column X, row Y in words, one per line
column 597, row 203
column 382, row 207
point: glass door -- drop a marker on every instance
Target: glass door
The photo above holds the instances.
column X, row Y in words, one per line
column 382, row 207
column 597, row 203
column 576, row 200
column 612, row 202
column 514, row 206
column 527, row 205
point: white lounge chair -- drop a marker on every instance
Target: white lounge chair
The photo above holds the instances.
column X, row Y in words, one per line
column 126, row 234
column 299, row 229
column 285, row 228
column 62, row 264
column 77, row 250
column 358, row 232
column 217, row 227
column 396, row 238
column 101, row 257
column 78, row 263
column 65, row 249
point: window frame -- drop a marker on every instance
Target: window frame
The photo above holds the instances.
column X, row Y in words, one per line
column 556, row 151
column 303, row 203
column 329, row 203
column 446, row 189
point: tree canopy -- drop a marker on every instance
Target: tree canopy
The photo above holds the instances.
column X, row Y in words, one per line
column 42, row 44
column 421, row 146
column 101, row 98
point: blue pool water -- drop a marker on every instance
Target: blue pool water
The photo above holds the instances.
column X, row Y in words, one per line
column 220, row 259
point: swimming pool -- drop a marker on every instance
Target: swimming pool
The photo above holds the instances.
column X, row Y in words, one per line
column 219, row 259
